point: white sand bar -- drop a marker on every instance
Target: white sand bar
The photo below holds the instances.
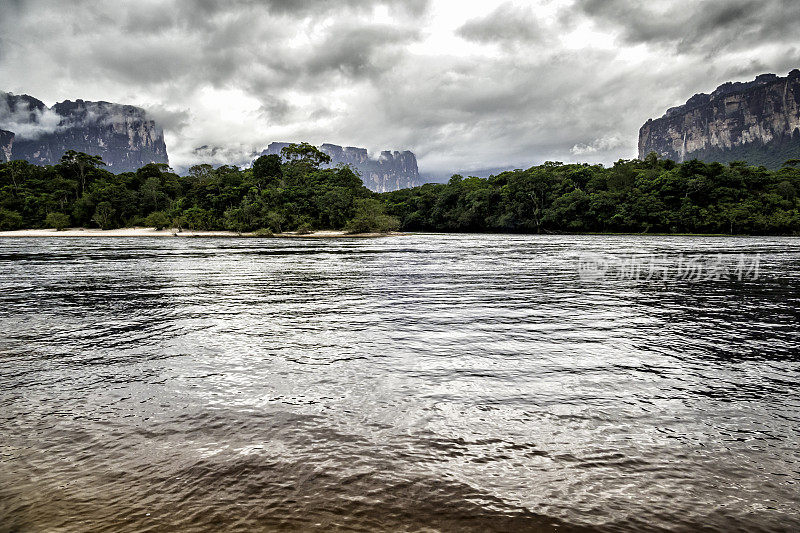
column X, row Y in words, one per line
column 152, row 232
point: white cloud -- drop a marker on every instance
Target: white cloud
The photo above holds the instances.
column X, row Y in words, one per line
column 28, row 123
column 604, row 144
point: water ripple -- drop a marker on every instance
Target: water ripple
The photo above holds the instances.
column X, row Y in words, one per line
column 423, row 383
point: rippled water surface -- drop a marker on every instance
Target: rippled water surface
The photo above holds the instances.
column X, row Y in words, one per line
column 418, row 383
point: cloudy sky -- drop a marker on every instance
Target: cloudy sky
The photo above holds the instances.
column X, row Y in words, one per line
column 464, row 84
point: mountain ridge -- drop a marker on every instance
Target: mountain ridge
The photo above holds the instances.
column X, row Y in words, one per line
column 121, row 134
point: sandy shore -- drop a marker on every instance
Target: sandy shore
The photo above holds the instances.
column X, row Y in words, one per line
column 152, row 232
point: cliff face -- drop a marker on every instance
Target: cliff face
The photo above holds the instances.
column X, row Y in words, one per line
column 391, row 171
column 6, row 145
column 121, row 134
column 757, row 121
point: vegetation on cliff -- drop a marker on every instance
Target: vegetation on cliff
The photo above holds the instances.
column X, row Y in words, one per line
column 291, row 192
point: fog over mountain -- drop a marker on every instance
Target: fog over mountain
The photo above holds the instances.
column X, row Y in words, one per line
column 464, row 85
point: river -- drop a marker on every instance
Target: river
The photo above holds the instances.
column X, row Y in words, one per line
column 413, row 383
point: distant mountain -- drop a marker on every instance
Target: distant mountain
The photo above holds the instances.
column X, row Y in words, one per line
column 757, row 121
column 121, row 134
column 390, row 171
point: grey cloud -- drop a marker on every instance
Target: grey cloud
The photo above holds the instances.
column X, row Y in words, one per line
column 11, row 7
column 323, row 7
column 353, row 50
column 201, row 11
column 168, row 118
column 706, row 26
column 259, row 53
column 321, row 113
column 275, row 109
column 506, row 24
column 148, row 60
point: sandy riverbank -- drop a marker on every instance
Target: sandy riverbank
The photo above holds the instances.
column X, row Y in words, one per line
column 152, row 232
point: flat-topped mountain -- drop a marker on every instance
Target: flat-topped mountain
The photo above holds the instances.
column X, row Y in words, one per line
column 122, row 135
column 390, row 171
column 756, row 121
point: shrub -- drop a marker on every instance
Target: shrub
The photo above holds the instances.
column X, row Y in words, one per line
column 196, row 218
column 273, row 221
column 304, row 229
column 10, row 220
column 135, row 221
column 370, row 218
column 58, row 221
column 157, row 219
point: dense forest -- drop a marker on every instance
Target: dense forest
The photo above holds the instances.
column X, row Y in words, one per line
column 291, row 192
column 653, row 195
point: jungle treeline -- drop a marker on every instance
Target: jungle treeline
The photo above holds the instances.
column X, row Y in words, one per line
column 657, row 196
column 295, row 192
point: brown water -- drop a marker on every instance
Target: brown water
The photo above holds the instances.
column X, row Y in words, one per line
column 422, row 383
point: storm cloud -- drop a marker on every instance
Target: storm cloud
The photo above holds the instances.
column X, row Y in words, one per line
column 465, row 85
column 710, row 26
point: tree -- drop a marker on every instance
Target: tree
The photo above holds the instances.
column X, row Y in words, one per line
column 651, row 160
column 80, row 164
column 200, row 173
column 103, row 214
column 152, row 196
column 305, row 154
column 335, row 207
column 526, row 196
column 13, row 172
column 267, row 170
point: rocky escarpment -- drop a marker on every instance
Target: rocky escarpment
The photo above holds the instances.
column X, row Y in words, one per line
column 390, row 171
column 757, row 121
column 121, row 134
column 6, row 145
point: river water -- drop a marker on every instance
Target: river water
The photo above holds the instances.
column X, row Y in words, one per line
column 416, row 383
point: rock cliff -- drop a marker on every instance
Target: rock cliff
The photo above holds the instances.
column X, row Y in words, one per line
column 757, row 121
column 6, row 145
column 390, row 171
column 121, row 134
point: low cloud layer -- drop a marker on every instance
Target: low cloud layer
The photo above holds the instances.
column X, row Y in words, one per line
column 465, row 85
column 27, row 122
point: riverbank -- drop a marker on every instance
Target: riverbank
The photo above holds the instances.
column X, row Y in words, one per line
column 322, row 234
column 153, row 232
